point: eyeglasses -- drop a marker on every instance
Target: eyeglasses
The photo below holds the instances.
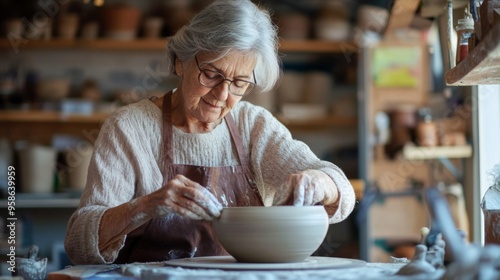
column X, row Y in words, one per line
column 211, row 79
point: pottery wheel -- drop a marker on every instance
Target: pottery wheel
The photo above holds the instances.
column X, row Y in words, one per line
column 229, row 263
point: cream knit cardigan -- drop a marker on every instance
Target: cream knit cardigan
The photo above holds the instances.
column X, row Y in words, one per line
column 126, row 164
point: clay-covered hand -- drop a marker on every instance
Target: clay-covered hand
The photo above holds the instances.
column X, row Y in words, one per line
column 186, row 198
column 308, row 187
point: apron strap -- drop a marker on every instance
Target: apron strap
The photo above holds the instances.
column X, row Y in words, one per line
column 237, row 140
column 167, row 135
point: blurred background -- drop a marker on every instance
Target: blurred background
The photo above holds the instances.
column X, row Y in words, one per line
column 363, row 85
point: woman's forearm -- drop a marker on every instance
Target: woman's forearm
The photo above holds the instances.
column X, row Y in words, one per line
column 119, row 221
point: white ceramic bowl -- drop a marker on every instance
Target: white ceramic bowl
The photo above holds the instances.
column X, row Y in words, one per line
column 275, row 234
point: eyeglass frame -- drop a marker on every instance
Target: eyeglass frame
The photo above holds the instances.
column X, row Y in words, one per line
column 254, row 83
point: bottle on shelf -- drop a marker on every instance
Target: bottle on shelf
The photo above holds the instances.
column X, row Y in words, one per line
column 427, row 132
column 465, row 29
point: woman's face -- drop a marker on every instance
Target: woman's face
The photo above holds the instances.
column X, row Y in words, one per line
column 209, row 105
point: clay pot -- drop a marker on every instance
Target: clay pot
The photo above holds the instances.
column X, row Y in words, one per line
column 277, row 234
column 37, row 165
column 90, row 30
column 152, row 27
column 78, row 160
column 53, row 89
column 291, row 87
column 317, row 87
column 427, row 134
column 68, row 26
column 14, row 27
column 293, row 26
column 177, row 13
column 402, row 124
column 121, row 22
column 332, row 29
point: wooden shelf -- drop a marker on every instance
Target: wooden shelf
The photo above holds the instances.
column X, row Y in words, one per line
column 482, row 65
column 159, row 44
column 317, row 46
column 411, row 152
column 55, row 200
column 44, row 203
column 48, row 116
column 320, row 123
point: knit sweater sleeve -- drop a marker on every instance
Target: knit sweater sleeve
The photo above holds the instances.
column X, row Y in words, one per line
column 120, row 170
column 274, row 155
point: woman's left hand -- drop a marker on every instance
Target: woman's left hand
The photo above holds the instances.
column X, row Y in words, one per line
column 308, row 187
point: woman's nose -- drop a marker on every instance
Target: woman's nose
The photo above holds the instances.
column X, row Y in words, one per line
column 221, row 92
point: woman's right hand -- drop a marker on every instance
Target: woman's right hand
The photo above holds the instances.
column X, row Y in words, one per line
column 184, row 197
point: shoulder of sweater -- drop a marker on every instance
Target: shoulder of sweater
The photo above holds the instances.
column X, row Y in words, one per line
column 249, row 113
column 135, row 113
column 256, row 121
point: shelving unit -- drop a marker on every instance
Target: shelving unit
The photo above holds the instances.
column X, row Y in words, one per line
column 50, row 213
column 482, row 65
column 40, row 126
column 293, row 46
column 17, row 116
column 426, row 153
column 320, row 123
column 43, row 201
column 38, row 117
column 314, row 46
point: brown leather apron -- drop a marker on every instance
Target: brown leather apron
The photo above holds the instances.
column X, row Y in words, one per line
column 173, row 236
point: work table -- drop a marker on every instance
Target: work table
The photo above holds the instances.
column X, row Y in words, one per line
column 160, row 271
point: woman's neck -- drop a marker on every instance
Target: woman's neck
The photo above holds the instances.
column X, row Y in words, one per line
column 182, row 120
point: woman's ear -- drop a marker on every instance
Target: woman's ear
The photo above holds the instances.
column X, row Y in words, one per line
column 178, row 67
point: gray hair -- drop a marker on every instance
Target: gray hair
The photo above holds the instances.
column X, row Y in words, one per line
column 226, row 26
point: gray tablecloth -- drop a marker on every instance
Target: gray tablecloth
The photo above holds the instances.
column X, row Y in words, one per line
column 160, row 271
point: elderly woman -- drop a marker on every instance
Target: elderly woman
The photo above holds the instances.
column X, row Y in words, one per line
column 163, row 169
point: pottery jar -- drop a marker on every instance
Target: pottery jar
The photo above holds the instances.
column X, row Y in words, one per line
column 77, row 162
column 53, row 89
column 402, row 123
column 152, row 27
column 14, row 27
column 177, row 13
column 427, row 133
column 37, row 168
column 121, row 22
column 293, row 25
column 317, row 87
column 90, row 30
column 67, row 26
column 291, row 87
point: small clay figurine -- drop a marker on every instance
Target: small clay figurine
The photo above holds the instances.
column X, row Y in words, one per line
column 31, row 267
column 418, row 265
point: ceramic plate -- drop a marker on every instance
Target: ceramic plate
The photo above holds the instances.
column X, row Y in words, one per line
column 229, row 263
